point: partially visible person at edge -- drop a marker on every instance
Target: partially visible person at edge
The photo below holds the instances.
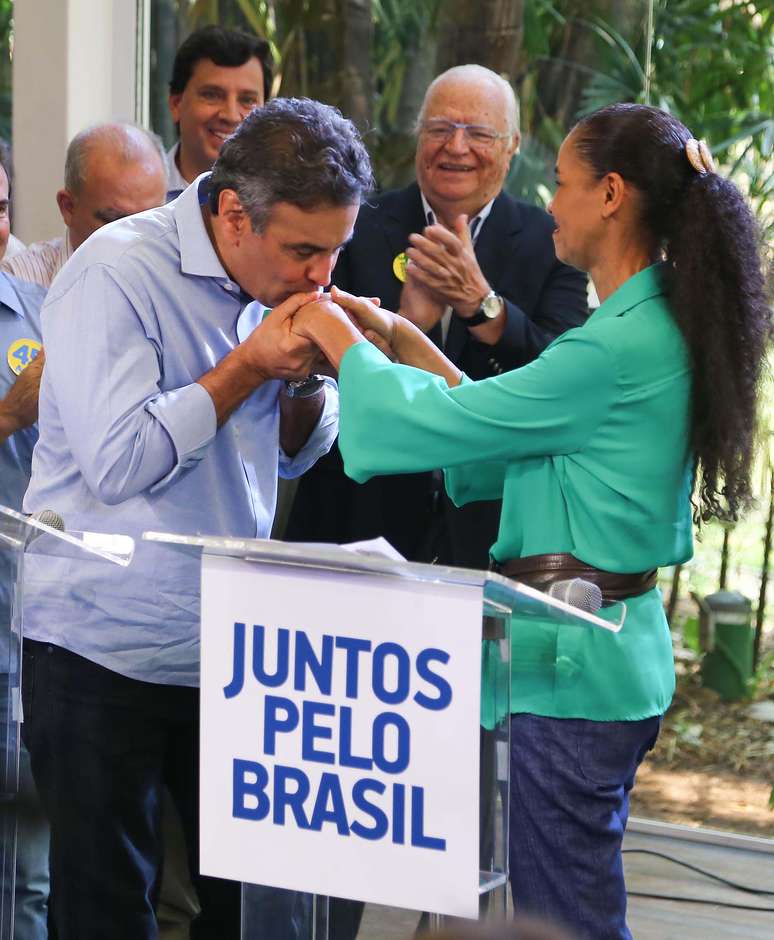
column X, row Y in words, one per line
column 20, row 369
column 111, row 170
column 503, row 298
column 596, row 448
column 219, row 75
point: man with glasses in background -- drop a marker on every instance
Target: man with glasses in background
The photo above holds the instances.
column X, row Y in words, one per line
column 474, row 268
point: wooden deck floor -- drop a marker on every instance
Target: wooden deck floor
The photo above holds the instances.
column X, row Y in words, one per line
column 658, row 919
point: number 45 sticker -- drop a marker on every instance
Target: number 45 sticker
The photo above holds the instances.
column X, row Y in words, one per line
column 21, row 353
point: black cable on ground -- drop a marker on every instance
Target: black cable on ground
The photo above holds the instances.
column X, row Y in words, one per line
column 706, row 874
column 700, row 871
column 670, row 897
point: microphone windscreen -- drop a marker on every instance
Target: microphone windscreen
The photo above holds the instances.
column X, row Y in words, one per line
column 578, row 593
column 50, row 518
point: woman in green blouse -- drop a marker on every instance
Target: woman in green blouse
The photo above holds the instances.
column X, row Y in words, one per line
column 595, row 449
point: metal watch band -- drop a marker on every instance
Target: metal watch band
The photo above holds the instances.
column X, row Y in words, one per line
column 304, row 388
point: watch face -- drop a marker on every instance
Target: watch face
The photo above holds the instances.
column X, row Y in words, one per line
column 490, row 306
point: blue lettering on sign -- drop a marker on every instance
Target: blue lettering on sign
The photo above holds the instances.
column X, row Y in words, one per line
column 352, row 647
column 311, row 731
column 402, row 735
column 330, row 792
column 280, row 674
column 238, row 668
column 291, row 788
column 324, row 732
column 381, row 823
column 401, row 691
column 306, row 660
column 255, row 789
column 346, row 757
column 378, row 811
column 280, row 717
column 438, row 682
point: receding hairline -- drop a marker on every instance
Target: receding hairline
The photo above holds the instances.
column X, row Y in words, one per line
column 478, row 74
column 123, row 141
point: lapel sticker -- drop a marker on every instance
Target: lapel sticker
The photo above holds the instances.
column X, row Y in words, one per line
column 399, row 266
column 21, row 353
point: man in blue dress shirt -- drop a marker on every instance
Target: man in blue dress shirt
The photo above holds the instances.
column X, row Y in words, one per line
column 20, row 305
column 163, row 407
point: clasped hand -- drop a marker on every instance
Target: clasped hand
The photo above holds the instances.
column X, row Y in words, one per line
column 340, row 317
column 444, row 262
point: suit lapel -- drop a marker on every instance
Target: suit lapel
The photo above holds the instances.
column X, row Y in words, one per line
column 403, row 215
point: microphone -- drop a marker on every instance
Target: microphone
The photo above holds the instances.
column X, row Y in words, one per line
column 50, row 518
column 578, row 593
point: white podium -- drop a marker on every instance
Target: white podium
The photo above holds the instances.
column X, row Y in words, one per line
column 348, row 746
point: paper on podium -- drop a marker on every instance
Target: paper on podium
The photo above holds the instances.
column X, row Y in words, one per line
column 379, row 547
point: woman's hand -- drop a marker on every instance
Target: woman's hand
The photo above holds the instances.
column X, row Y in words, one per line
column 326, row 324
column 314, row 320
column 367, row 315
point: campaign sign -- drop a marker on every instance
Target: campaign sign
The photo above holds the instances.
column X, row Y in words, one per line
column 340, row 734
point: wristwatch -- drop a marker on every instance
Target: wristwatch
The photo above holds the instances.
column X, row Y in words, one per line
column 489, row 309
column 304, row 388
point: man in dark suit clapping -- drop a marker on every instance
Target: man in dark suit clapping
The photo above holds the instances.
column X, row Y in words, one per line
column 474, row 268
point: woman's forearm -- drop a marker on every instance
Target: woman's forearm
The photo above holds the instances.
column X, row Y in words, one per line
column 413, row 348
column 334, row 336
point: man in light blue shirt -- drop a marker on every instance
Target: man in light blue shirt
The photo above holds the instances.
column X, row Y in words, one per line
column 19, row 375
column 20, row 305
column 163, row 407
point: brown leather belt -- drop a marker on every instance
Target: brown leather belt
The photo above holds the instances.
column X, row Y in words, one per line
column 541, row 571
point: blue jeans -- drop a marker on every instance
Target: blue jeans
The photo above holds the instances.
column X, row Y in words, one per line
column 570, row 783
column 103, row 747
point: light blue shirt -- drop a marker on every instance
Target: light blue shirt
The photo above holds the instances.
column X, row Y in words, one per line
column 129, row 440
column 20, row 304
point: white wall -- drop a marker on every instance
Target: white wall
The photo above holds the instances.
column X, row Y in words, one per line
column 73, row 65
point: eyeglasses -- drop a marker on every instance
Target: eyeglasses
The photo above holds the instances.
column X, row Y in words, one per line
column 477, row 135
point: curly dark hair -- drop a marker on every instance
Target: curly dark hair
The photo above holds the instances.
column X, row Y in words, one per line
column 707, row 233
column 292, row 150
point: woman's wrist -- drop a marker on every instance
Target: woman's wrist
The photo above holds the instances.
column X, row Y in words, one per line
column 334, row 337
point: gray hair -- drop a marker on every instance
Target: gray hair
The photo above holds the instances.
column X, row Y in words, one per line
column 292, row 150
column 477, row 73
column 127, row 142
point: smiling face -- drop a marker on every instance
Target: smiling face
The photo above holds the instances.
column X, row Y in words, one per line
column 295, row 252
column 455, row 175
column 578, row 209
column 210, row 107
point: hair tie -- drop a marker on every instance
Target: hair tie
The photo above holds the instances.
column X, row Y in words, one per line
column 699, row 156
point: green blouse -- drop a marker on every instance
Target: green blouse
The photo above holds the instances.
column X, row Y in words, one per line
column 588, row 448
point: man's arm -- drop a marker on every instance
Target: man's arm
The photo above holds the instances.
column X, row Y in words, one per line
column 19, row 408
column 298, row 418
column 271, row 351
column 125, row 434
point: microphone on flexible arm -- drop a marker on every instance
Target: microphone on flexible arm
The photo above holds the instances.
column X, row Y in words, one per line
column 49, row 517
column 585, row 595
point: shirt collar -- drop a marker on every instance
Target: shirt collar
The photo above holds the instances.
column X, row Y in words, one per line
column 175, row 180
column 474, row 224
column 9, row 298
column 641, row 286
column 197, row 253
